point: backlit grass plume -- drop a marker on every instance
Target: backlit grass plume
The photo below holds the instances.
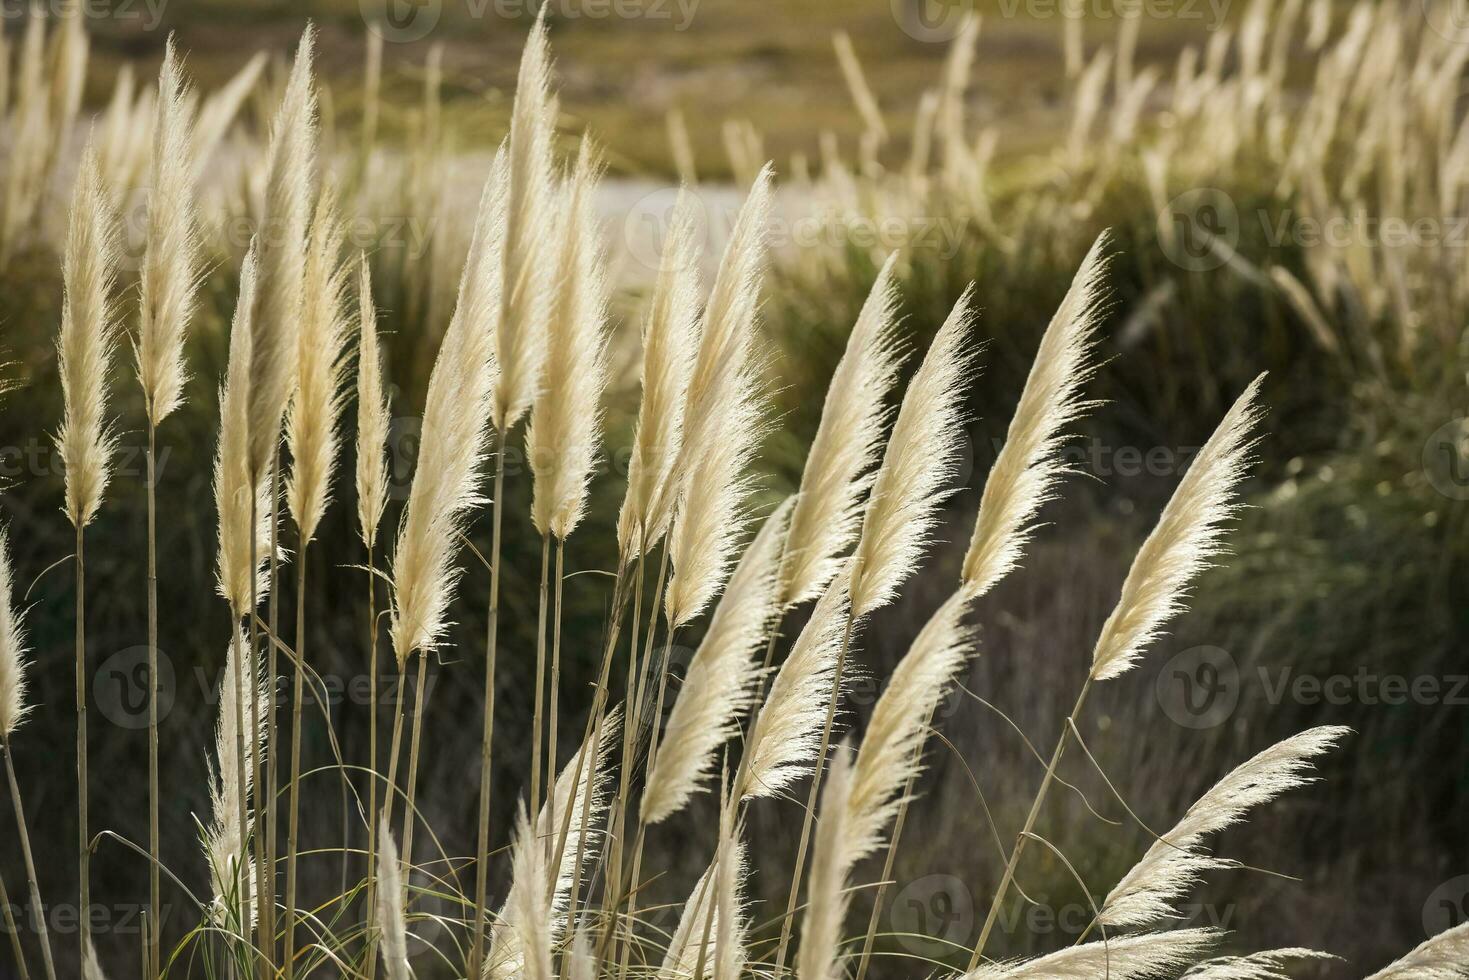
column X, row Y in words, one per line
column 13, row 707
column 1027, row 469
column 1147, row 894
column 1443, row 957
column 446, row 481
column 722, row 421
column 85, row 345
column 835, row 851
column 565, row 428
column 1149, row 956
column 311, row 429
column 916, row 466
column 281, row 259
column 1182, row 544
column 828, row 511
column 525, row 300
column 373, row 416
column 1268, row 965
column 391, row 920
column 230, row 774
column 169, row 279
column 720, row 679
column 238, row 492
column 670, row 339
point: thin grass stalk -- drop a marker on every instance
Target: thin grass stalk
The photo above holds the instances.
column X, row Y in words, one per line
column 1008, row 876
column 411, row 780
column 390, row 789
column 264, row 860
column 84, row 852
column 293, row 805
column 536, row 719
column 38, row 914
column 371, row 888
column 831, row 711
column 482, row 852
column 155, row 931
column 15, row 948
column 555, row 694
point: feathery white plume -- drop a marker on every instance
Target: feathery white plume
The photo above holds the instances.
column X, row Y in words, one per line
column 446, row 482
column 86, row 342
column 1443, row 957
column 236, row 487
column 1267, row 965
column 786, row 736
column 223, row 846
column 828, row 512
column 391, row 921
column 13, row 707
column 1029, row 466
column 566, row 425
column 91, row 965
column 530, row 914
column 281, row 259
column 721, row 677
column 373, row 416
column 670, row 338
column 730, row 953
column 311, row 429
column 169, row 281
column 1182, row 544
column 1149, row 956
column 1173, row 865
column 520, row 332
column 834, row 852
column 919, row 460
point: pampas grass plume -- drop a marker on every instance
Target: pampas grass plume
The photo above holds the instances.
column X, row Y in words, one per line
column 373, row 415
column 1142, row 957
column 224, row 848
column 1442, row 957
column 13, row 707
column 391, row 919
column 834, row 852
column 85, row 345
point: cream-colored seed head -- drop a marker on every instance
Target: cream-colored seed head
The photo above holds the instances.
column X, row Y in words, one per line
column 13, row 707
column 374, row 416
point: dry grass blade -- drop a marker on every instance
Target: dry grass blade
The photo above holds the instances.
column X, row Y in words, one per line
column 85, row 345
column 1186, row 538
column 670, row 339
column 920, row 459
column 446, row 482
column 281, row 259
column 169, row 280
column 311, row 429
column 1173, row 865
column 721, row 677
column 1150, row 956
column 373, row 416
column 1029, row 466
column 391, row 915
column 565, row 427
column 828, row 512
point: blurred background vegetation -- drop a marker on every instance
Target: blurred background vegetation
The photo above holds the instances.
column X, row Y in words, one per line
column 1351, row 559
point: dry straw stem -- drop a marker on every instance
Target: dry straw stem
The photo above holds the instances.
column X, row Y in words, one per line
column 239, row 493
column 566, row 425
column 86, row 342
column 525, row 301
column 828, row 513
column 721, row 677
column 170, row 276
column 580, row 787
column 1173, row 865
column 230, row 774
column 13, row 666
column 722, row 421
column 373, row 416
column 1268, row 965
column 836, row 849
column 311, row 429
column 446, row 483
column 391, row 919
column 1149, row 956
column 670, row 339
column 281, row 259
column 1028, row 468
column 920, row 459
column 1441, row 958
column 1182, row 544
column 786, row 734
